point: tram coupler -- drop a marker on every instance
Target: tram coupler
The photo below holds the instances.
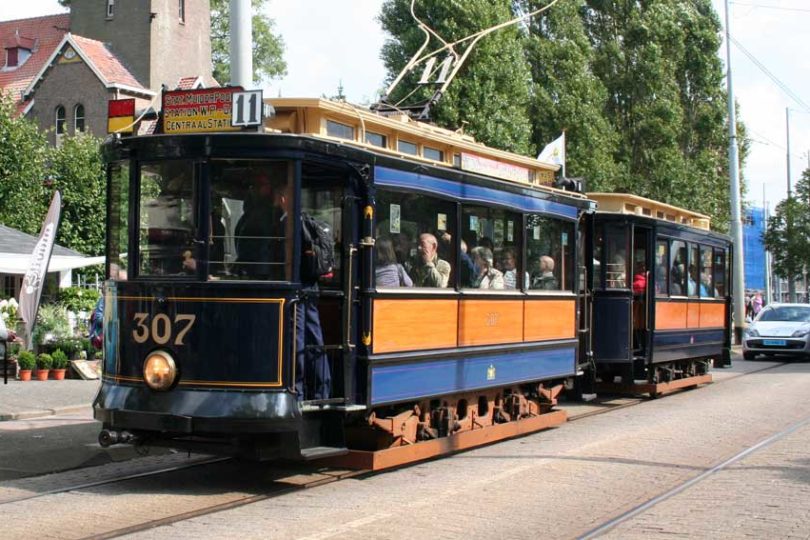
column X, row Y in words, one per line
column 109, row 437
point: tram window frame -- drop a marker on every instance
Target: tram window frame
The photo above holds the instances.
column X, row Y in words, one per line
column 693, row 272
column 598, row 255
column 502, row 227
column 340, row 130
column 720, row 266
column 430, row 214
column 380, row 142
column 404, row 147
column 434, row 154
column 613, row 248
column 184, row 243
column 322, row 195
column 710, row 293
column 547, row 236
column 255, row 180
column 678, row 250
column 118, row 219
column 661, row 278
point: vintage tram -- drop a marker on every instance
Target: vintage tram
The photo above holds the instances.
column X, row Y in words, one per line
column 661, row 295
column 452, row 316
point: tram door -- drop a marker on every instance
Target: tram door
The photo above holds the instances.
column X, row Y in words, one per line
column 326, row 195
column 641, row 282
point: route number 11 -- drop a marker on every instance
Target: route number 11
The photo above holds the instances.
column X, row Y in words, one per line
column 246, row 108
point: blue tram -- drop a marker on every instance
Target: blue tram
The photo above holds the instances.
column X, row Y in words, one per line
column 453, row 307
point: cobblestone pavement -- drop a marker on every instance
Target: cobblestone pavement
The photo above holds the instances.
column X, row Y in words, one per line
column 570, row 480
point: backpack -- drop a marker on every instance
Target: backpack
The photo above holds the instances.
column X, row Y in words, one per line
column 97, row 324
column 318, row 249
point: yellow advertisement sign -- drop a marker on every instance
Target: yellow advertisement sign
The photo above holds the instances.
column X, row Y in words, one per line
column 198, row 111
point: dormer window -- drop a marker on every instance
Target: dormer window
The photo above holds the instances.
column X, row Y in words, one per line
column 18, row 50
column 12, row 57
column 110, row 8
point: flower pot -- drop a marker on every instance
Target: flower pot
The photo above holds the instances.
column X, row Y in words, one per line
column 25, row 374
column 58, row 374
column 42, row 374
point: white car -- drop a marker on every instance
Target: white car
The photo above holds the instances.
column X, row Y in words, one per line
column 779, row 329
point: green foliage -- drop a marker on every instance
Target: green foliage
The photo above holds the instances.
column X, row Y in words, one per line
column 787, row 236
column 78, row 299
column 44, row 361
column 60, row 359
column 268, row 48
column 23, row 155
column 52, row 324
column 71, row 346
column 489, row 97
column 26, row 360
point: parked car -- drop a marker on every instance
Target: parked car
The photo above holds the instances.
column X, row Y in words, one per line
column 779, row 329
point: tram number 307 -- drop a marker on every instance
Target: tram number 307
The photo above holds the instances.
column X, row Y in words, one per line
column 161, row 329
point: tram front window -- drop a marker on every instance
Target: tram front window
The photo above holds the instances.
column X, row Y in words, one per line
column 250, row 223
column 119, row 220
column 166, row 226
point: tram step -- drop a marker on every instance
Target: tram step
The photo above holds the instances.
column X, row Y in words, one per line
column 318, row 452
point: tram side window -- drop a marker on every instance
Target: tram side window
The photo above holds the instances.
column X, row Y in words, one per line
column 616, row 274
column 417, row 233
column 598, row 254
column 490, row 240
column 167, row 225
column 694, row 276
column 661, row 268
column 677, row 265
column 720, row 271
column 706, row 273
column 119, row 221
column 550, row 253
column 322, row 198
column 251, row 232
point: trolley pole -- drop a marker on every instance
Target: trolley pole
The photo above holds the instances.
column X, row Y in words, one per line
column 241, row 44
column 736, row 222
column 791, row 279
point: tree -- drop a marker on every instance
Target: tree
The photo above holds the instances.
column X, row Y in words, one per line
column 268, row 48
column 787, row 236
column 23, row 157
column 490, row 96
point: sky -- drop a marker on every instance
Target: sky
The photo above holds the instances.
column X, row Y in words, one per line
column 332, row 42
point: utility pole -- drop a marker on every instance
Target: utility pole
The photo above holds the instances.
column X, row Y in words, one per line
column 736, row 223
column 789, row 225
column 241, row 44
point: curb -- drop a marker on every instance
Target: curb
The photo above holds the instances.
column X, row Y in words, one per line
column 41, row 413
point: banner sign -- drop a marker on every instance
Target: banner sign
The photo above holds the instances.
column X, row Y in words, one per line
column 35, row 276
column 121, row 115
column 198, row 111
column 490, row 167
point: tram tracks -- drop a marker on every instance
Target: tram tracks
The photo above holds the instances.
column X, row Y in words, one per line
column 291, row 479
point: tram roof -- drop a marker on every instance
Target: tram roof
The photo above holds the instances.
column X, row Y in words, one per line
column 343, row 122
column 625, row 203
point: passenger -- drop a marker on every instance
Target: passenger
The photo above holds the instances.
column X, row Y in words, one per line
column 706, row 283
column 692, row 282
column 617, row 272
column 388, row 272
column 488, row 276
column 640, row 279
column 545, row 280
column 429, row 270
column 508, row 266
column 677, row 279
column 660, row 279
column 261, row 232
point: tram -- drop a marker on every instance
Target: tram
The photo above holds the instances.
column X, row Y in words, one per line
column 661, row 295
column 452, row 316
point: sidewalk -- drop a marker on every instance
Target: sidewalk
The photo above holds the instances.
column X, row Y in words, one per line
column 32, row 399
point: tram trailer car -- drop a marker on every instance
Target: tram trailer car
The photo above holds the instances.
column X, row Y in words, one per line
column 661, row 287
column 203, row 261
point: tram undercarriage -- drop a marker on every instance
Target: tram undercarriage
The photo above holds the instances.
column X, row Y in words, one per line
column 654, row 379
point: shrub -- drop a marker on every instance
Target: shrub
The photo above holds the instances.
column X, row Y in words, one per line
column 52, row 324
column 70, row 346
column 26, row 360
column 78, row 299
column 60, row 359
column 44, row 361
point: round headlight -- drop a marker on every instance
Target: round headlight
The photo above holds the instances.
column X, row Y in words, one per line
column 159, row 370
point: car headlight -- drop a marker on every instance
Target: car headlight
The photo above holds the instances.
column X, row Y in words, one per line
column 801, row 333
column 159, row 370
column 751, row 332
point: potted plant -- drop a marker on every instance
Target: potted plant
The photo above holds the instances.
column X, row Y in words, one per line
column 60, row 362
column 26, row 360
column 44, row 363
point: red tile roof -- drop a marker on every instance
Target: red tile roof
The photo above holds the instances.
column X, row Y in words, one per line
column 105, row 62
column 188, row 83
column 47, row 32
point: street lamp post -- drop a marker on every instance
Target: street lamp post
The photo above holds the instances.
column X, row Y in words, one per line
column 789, row 225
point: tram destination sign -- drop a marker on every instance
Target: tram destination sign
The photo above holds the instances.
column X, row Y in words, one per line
column 499, row 169
column 199, row 111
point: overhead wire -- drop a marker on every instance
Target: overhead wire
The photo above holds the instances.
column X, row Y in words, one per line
column 765, row 6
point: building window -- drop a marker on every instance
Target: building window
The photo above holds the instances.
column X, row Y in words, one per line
column 78, row 119
column 60, row 120
column 341, row 131
column 432, row 153
column 376, row 139
column 10, row 291
column 181, row 6
column 110, row 8
column 408, row 148
column 12, row 57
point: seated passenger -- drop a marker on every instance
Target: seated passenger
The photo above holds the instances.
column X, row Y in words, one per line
column 488, row 276
column 640, row 279
column 678, row 271
column 388, row 272
column 545, row 280
column 692, row 282
column 429, row 270
column 706, row 288
column 508, row 265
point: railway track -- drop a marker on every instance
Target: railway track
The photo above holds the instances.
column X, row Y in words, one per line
column 289, row 478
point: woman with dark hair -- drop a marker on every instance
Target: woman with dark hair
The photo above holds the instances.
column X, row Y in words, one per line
column 388, row 272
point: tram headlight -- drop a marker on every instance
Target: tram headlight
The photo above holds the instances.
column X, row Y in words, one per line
column 159, row 370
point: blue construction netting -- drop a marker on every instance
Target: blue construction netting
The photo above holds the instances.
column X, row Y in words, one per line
column 754, row 251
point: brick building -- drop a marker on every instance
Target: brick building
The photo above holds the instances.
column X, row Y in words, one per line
column 60, row 70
